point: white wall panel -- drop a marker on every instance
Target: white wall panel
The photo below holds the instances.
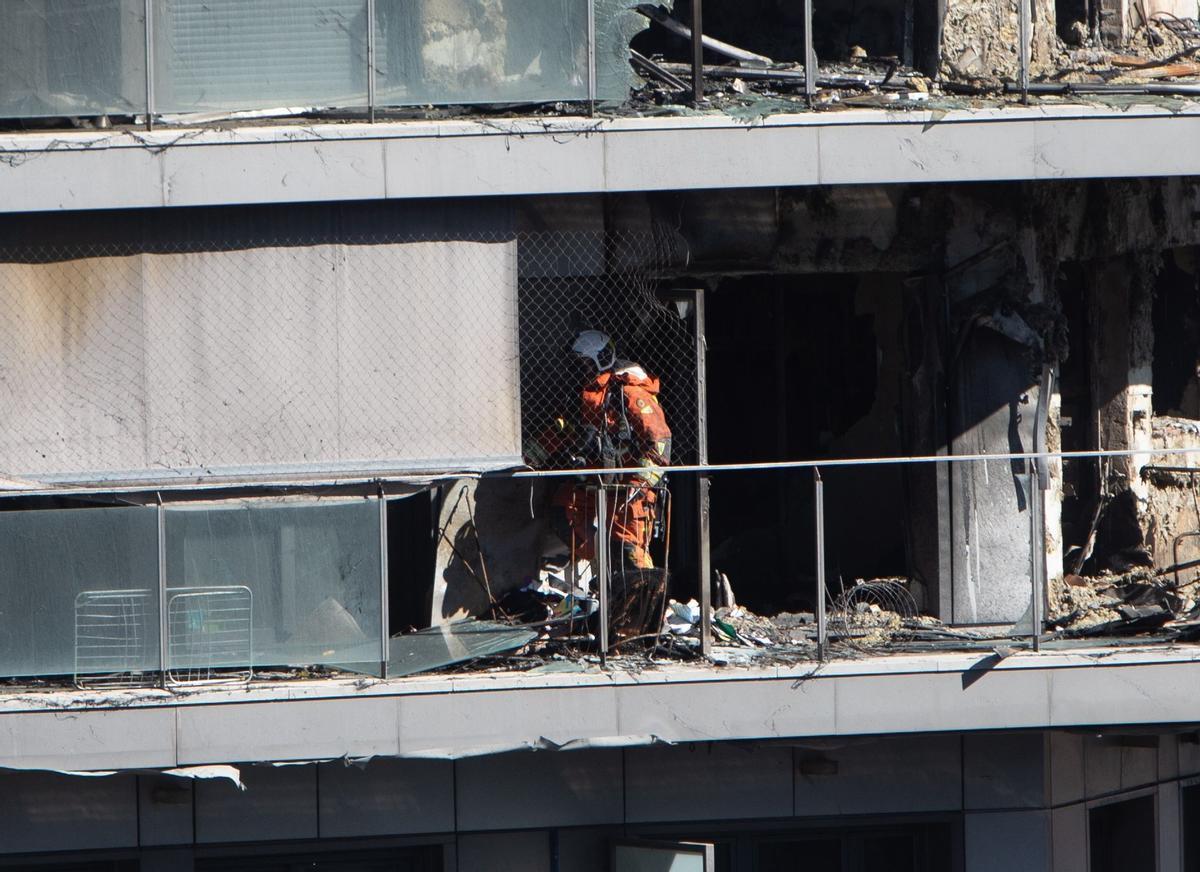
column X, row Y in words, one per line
column 302, row 360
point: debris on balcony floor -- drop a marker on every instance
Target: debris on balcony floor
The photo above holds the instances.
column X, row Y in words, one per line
column 464, row 641
column 1139, row 601
column 751, row 85
column 871, row 617
column 1162, row 47
column 874, row 618
column 542, row 630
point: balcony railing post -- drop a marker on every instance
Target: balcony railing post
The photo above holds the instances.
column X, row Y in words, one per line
column 163, row 624
column 1025, row 34
column 810, row 56
column 371, row 61
column 148, row 29
column 819, row 603
column 384, row 605
column 703, row 482
column 591, row 56
column 1036, row 555
column 602, row 569
column 704, row 570
column 698, row 51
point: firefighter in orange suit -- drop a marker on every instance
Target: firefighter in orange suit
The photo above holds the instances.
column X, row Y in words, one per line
column 625, row 427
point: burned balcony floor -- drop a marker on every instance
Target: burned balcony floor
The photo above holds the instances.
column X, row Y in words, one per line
column 879, row 619
column 564, row 706
column 872, row 620
column 874, row 61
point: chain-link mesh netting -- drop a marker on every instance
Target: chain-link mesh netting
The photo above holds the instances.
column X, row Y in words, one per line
column 608, row 282
column 301, row 358
column 274, row 359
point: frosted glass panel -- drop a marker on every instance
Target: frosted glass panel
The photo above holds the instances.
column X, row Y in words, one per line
column 481, row 51
column 313, row 569
column 88, row 57
column 259, row 54
column 72, row 57
column 95, row 569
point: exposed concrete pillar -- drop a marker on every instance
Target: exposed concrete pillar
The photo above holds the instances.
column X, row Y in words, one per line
column 1041, row 267
column 1121, row 296
column 1002, row 328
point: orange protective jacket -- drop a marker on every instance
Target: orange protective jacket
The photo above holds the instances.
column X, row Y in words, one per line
column 650, row 437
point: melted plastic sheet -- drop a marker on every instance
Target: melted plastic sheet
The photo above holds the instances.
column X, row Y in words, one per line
column 438, row 647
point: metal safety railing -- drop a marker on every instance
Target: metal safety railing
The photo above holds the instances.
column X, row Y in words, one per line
column 1155, row 597
column 318, row 568
column 373, row 60
column 1102, row 582
column 178, row 58
column 128, row 58
column 174, row 59
column 696, row 32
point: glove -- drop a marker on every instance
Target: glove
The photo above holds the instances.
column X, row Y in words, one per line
column 537, row 456
column 649, row 474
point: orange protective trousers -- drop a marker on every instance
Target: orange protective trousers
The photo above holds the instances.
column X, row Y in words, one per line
column 630, row 523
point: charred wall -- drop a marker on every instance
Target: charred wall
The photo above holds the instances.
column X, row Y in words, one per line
column 776, row 27
column 804, row 367
column 1069, row 274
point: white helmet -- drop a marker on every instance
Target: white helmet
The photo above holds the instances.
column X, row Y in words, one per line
column 596, row 347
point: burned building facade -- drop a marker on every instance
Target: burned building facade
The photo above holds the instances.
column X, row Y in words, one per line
column 288, row 293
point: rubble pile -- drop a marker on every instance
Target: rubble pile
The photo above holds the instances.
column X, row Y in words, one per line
column 735, row 625
column 751, row 92
column 868, row 618
column 1138, row 601
column 1161, row 48
column 1160, row 57
column 750, row 84
column 868, row 625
